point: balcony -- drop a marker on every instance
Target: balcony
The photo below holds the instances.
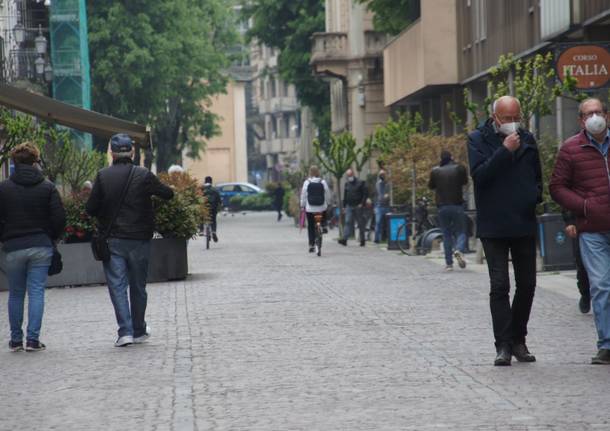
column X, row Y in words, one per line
column 330, row 53
column 278, row 104
column 424, row 55
column 279, row 145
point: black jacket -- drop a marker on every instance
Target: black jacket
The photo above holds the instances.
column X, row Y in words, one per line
column 31, row 211
column 355, row 193
column 213, row 198
column 136, row 218
column 448, row 181
column 507, row 186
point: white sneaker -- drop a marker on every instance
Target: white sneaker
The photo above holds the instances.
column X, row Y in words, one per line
column 142, row 338
column 460, row 259
column 123, row 341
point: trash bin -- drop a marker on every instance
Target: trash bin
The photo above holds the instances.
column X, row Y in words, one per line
column 555, row 246
column 393, row 222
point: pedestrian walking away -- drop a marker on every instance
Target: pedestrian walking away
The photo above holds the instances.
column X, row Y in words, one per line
column 129, row 236
column 278, row 199
column 214, row 202
column 382, row 204
column 582, row 279
column 32, row 218
column 315, row 198
column 505, row 169
column 354, row 201
column 581, row 184
column 448, row 180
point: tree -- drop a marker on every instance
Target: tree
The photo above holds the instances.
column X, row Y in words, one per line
column 288, row 26
column 160, row 62
column 529, row 81
column 392, row 16
column 341, row 154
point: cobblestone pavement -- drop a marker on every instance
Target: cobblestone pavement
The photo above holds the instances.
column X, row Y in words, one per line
column 264, row 336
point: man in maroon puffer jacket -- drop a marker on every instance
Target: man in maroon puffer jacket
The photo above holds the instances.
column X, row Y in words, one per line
column 581, row 184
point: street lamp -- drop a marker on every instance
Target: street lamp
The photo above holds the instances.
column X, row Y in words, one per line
column 19, row 33
column 40, row 42
column 48, row 71
column 39, row 63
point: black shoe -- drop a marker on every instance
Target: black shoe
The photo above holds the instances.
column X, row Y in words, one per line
column 15, row 346
column 522, row 354
column 602, row 357
column 503, row 357
column 362, row 243
column 311, row 249
column 324, row 230
column 584, row 304
column 214, row 237
column 34, row 346
column 343, row 242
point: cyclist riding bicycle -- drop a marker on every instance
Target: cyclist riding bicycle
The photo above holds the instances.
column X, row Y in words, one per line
column 214, row 202
column 315, row 198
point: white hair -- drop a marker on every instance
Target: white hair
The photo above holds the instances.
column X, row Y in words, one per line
column 175, row 168
column 123, row 155
column 493, row 107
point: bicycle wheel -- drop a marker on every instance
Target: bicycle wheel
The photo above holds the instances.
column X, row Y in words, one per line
column 319, row 240
column 402, row 231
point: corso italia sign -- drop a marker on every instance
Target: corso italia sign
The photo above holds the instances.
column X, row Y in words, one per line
column 589, row 64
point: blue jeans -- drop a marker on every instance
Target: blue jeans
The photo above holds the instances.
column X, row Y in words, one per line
column 595, row 252
column 27, row 270
column 128, row 268
column 453, row 224
column 358, row 214
column 380, row 213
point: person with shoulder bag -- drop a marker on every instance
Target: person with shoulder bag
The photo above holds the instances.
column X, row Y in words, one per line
column 121, row 200
column 32, row 218
column 315, row 198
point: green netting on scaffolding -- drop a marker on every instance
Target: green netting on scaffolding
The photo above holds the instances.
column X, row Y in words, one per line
column 70, row 57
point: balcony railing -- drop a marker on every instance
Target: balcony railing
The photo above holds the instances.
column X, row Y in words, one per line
column 21, row 64
column 329, row 46
column 278, row 104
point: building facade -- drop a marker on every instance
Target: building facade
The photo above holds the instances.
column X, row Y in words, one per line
column 349, row 54
column 277, row 125
column 454, row 43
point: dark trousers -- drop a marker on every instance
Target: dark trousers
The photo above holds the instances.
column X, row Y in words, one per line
column 311, row 226
column 213, row 220
column 353, row 216
column 582, row 280
column 510, row 322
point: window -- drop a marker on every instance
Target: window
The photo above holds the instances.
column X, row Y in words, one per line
column 479, row 19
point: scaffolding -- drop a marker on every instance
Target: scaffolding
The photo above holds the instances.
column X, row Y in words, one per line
column 70, row 57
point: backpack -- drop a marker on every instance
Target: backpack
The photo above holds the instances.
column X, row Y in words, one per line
column 315, row 194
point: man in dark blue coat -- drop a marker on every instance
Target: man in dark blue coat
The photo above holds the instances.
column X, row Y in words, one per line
column 505, row 168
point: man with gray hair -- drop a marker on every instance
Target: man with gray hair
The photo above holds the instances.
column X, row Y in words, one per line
column 581, row 184
column 505, row 168
column 130, row 224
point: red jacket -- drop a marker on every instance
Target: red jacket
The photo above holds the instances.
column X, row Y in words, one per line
column 581, row 183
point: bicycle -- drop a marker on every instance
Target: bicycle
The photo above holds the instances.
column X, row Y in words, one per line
column 318, row 217
column 207, row 233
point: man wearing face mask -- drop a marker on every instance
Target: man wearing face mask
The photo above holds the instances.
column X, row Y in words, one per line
column 505, row 168
column 581, row 184
column 354, row 200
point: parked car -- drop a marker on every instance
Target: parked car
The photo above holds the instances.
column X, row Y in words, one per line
column 228, row 190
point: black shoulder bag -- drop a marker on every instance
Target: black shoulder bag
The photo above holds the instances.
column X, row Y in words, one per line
column 99, row 243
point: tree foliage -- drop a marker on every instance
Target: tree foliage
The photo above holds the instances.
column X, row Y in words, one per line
column 288, row 26
column 392, row 16
column 529, row 80
column 160, row 62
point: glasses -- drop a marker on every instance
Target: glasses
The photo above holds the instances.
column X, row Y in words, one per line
column 587, row 115
column 509, row 119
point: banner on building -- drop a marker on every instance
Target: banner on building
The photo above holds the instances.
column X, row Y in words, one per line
column 588, row 63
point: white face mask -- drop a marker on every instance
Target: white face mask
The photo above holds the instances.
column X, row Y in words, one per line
column 508, row 128
column 596, row 124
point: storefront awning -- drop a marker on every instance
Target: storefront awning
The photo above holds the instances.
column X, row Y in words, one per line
column 53, row 111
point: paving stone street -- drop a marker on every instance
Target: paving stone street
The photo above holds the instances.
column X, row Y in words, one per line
column 264, row 336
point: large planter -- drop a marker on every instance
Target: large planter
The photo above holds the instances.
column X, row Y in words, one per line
column 168, row 261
